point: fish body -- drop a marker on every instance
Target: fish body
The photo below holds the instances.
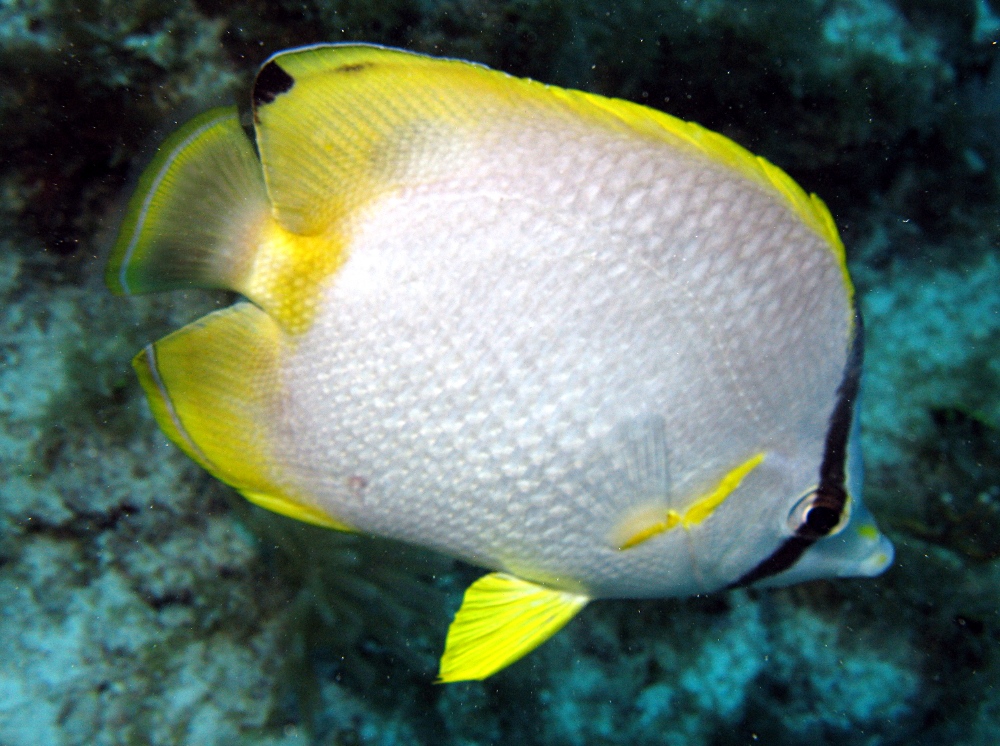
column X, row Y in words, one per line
column 595, row 349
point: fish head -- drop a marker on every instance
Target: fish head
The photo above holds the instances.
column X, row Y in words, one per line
column 833, row 535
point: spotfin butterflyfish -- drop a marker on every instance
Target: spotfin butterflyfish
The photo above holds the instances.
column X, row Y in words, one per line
column 599, row 351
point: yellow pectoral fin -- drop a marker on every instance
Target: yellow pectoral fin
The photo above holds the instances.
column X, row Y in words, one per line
column 642, row 525
column 706, row 505
column 502, row 619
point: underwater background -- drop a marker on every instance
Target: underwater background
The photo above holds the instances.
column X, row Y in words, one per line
column 142, row 602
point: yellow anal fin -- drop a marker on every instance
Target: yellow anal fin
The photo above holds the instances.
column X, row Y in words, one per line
column 639, row 527
column 502, row 618
column 212, row 387
column 293, row 509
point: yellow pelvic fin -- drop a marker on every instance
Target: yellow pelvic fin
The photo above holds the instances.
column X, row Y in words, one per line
column 212, row 387
column 502, row 618
column 637, row 528
column 339, row 124
column 193, row 219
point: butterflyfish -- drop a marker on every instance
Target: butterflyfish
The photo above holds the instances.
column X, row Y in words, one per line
column 596, row 350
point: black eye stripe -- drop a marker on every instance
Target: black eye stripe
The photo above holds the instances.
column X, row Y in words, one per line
column 832, row 471
column 822, row 511
column 821, row 520
column 780, row 560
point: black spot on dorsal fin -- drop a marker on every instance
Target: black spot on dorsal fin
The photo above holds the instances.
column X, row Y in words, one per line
column 354, row 67
column 271, row 82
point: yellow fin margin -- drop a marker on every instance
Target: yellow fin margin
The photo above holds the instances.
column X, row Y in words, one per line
column 502, row 618
column 299, row 511
column 210, row 386
column 698, row 511
column 340, row 125
column 660, row 125
column 191, row 221
column 336, row 126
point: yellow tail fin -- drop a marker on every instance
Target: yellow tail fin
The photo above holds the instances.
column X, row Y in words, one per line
column 196, row 214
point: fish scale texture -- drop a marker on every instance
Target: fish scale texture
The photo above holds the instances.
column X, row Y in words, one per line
column 477, row 365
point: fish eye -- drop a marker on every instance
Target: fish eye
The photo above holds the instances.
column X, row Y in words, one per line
column 821, row 512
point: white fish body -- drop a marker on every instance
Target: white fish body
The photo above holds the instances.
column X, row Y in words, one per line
column 601, row 351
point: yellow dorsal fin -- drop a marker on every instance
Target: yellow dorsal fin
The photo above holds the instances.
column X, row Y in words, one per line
column 337, row 124
column 502, row 618
column 211, row 386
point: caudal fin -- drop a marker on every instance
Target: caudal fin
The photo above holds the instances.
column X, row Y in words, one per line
column 197, row 213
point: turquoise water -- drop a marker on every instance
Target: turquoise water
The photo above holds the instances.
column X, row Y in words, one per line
column 141, row 601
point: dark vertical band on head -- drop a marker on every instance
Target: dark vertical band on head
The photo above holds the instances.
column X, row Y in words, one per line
column 832, row 470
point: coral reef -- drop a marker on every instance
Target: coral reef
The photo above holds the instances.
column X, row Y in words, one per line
column 934, row 409
column 142, row 603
